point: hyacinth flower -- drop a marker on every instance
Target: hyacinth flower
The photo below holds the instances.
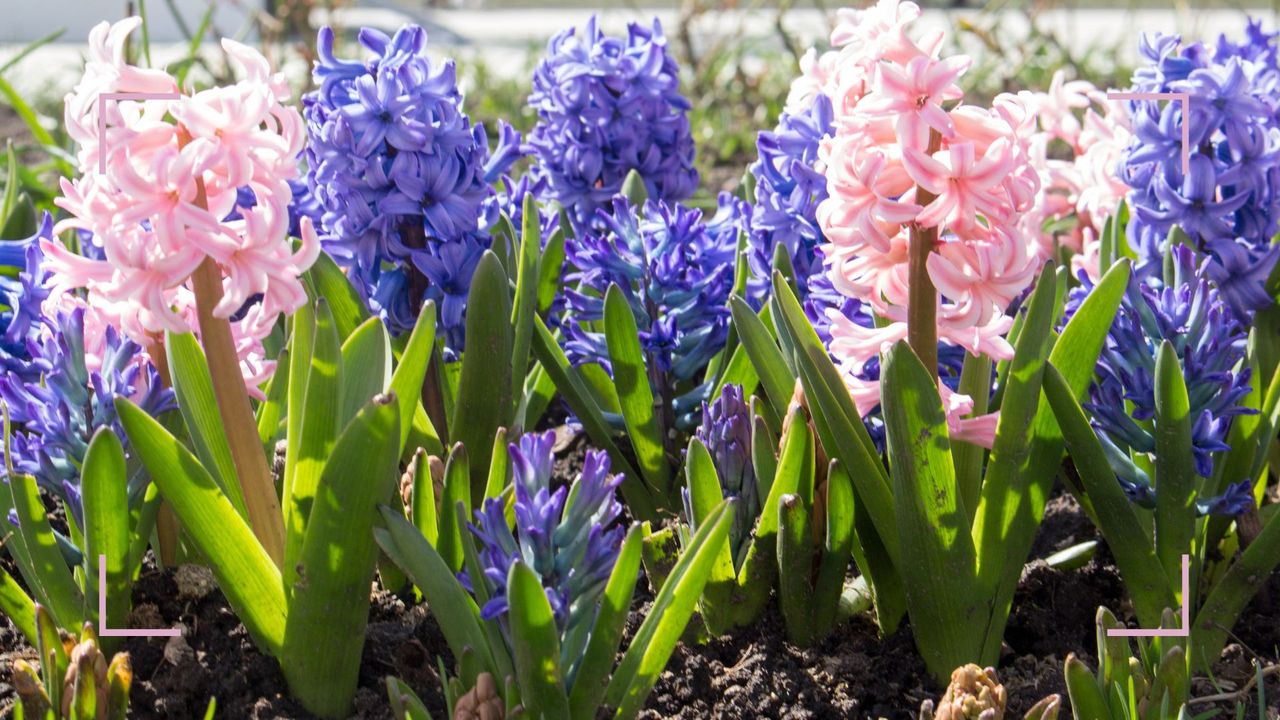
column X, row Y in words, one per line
column 402, row 178
column 23, row 294
column 923, row 221
column 543, row 601
column 166, row 258
column 1228, row 201
column 788, row 189
column 1209, row 342
column 647, row 305
column 1161, row 450
column 607, row 107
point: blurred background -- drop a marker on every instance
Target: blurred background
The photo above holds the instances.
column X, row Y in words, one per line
column 738, row 56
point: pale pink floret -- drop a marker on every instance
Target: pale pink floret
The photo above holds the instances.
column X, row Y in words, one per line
column 173, row 168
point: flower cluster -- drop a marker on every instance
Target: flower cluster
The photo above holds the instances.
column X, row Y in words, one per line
column 1229, row 200
column 61, row 369
column 898, row 162
column 789, row 188
column 607, row 106
column 676, row 271
column 1190, row 313
column 569, row 537
column 1082, row 139
column 726, row 433
column 22, row 295
column 402, row 177
column 169, row 197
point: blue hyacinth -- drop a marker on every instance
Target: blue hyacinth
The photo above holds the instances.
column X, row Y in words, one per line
column 1229, row 201
column 787, row 194
column 726, row 433
column 402, row 177
column 607, row 106
column 1209, row 339
column 22, row 293
column 569, row 537
column 676, row 271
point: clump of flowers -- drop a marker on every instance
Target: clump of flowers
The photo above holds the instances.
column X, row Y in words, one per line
column 402, row 176
column 62, row 370
column 174, row 172
column 606, row 106
column 1189, row 312
column 1081, row 142
column 923, row 199
column 675, row 270
column 1228, row 201
column 789, row 188
column 569, row 536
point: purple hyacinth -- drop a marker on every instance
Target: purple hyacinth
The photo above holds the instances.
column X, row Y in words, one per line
column 1189, row 312
column 571, row 545
column 676, row 271
column 402, row 177
column 788, row 192
column 1229, row 202
column 607, row 106
column 22, row 293
column 726, row 433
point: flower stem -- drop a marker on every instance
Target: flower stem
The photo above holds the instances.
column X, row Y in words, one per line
column 256, row 485
column 922, row 295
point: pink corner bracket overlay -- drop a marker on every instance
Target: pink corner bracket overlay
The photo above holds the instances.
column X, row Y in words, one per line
column 1182, row 97
column 102, row 116
column 103, row 630
column 1183, row 631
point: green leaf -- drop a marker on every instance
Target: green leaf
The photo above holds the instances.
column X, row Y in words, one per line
column 1175, row 464
column 1230, row 595
column 366, row 363
column 634, row 392
column 1148, row 586
column 245, row 573
column 590, row 683
column 405, row 703
column 704, row 497
column 1087, row 700
column 329, row 601
column 536, row 641
column 526, row 302
column 22, row 219
column 550, row 270
column 320, row 427
column 193, row 386
column 484, row 388
column 1009, row 512
column 938, row 558
column 331, row 284
column 658, row 634
column 422, row 502
column 105, row 500
column 579, row 397
column 836, row 549
column 760, row 346
column 457, row 489
column 302, row 342
column 795, row 569
column 272, row 410
column 454, row 610
column 57, row 589
column 409, row 376
column 11, row 184
column 16, row 604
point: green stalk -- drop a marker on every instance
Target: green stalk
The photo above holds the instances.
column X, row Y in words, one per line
column 922, row 298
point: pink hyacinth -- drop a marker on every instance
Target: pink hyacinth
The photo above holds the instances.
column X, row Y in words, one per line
column 168, row 199
column 906, row 156
column 1077, row 192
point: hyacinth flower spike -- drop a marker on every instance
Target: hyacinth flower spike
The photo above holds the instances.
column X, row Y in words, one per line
column 178, row 248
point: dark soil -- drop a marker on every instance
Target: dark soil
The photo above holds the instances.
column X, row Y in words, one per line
column 754, row 673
